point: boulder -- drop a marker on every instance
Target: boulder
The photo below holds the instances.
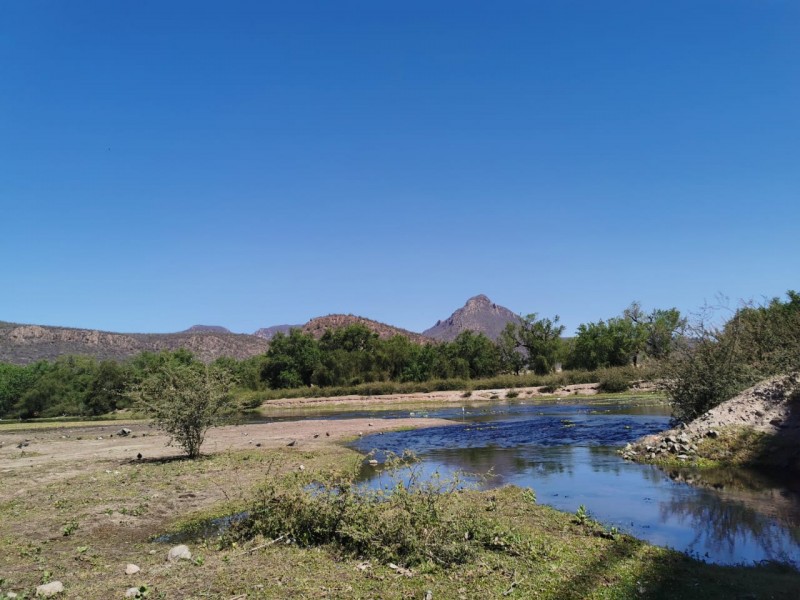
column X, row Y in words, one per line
column 179, row 553
column 50, row 589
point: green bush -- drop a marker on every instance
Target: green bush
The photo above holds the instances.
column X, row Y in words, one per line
column 614, row 382
column 412, row 520
column 719, row 362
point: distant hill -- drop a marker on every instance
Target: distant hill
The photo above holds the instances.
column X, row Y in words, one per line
column 318, row 326
column 206, row 329
column 22, row 344
column 269, row 332
column 479, row 314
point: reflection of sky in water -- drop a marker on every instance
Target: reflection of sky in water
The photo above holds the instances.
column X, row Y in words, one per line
column 567, row 456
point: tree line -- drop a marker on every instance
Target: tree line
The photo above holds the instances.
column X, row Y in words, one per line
column 81, row 385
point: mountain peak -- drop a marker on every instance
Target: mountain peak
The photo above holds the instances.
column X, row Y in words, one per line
column 479, row 299
column 479, row 314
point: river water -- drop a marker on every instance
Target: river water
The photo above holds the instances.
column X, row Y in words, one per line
column 567, row 454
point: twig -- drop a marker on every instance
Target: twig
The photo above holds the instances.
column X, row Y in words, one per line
column 269, row 543
column 514, row 584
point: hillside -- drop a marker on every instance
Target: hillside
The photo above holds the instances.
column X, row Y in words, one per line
column 22, row 344
column 318, row 326
column 206, row 329
column 479, row 314
column 268, row 333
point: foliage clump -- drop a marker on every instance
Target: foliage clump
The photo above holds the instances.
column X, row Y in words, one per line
column 717, row 362
column 185, row 400
column 411, row 521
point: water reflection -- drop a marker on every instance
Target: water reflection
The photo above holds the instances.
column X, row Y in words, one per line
column 568, row 456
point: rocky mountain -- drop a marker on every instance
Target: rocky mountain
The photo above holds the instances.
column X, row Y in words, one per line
column 22, row 344
column 478, row 314
column 206, row 329
column 269, row 332
column 318, row 326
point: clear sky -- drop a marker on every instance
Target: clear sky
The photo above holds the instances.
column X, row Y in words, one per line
column 254, row 163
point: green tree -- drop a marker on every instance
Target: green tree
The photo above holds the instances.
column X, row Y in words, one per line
column 541, row 339
column 291, row 360
column 512, row 357
column 185, row 400
column 478, row 352
column 605, row 344
column 107, row 389
column 659, row 330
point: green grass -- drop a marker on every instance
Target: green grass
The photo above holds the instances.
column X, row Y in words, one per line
column 522, row 549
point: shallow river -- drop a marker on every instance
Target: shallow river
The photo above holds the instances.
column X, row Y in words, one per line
column 567, row 454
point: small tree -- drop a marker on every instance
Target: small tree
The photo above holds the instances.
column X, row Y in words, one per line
column 185, row 400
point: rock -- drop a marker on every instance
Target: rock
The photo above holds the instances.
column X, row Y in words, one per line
column 11, row 595
column 292, row 443
column 712, row 434
column 302, row 467
column 131, row 569
column 372, row 463
column 682, row 457
column 258, row 445
column 124, row 432
column 776, row 422
column 179, row 553
column 50, row 589
column 139, row 456
column 131, row 592
column 327, row 434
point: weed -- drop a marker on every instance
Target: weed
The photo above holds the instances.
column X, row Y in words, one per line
column 69, row 528
column 581, row 516
column 512, row 394
column 529, row 495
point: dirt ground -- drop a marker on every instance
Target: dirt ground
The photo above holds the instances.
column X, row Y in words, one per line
column 581, row 389
column 66, row 448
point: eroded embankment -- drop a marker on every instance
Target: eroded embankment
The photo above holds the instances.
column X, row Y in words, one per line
column 759, row 427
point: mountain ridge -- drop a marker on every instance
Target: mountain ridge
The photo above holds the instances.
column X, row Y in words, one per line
column 478, row 314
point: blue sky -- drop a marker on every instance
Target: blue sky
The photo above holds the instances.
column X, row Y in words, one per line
column 254, row 163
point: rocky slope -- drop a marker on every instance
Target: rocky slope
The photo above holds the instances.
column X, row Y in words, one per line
column 207, row 329
column 772, row 407
column 478, row 314
column 269, row 332
column 318, row 326
column 22, row 344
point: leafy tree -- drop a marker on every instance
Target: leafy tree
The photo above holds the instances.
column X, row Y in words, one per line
column 478, row 352
column 185, row 400
column 107, row 389
column 512, row 358
column 541, row 338
column 659, row 330
column 291, row 360
column 605, row 344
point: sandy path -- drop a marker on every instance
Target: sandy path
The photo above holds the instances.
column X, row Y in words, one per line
column 582, row 389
